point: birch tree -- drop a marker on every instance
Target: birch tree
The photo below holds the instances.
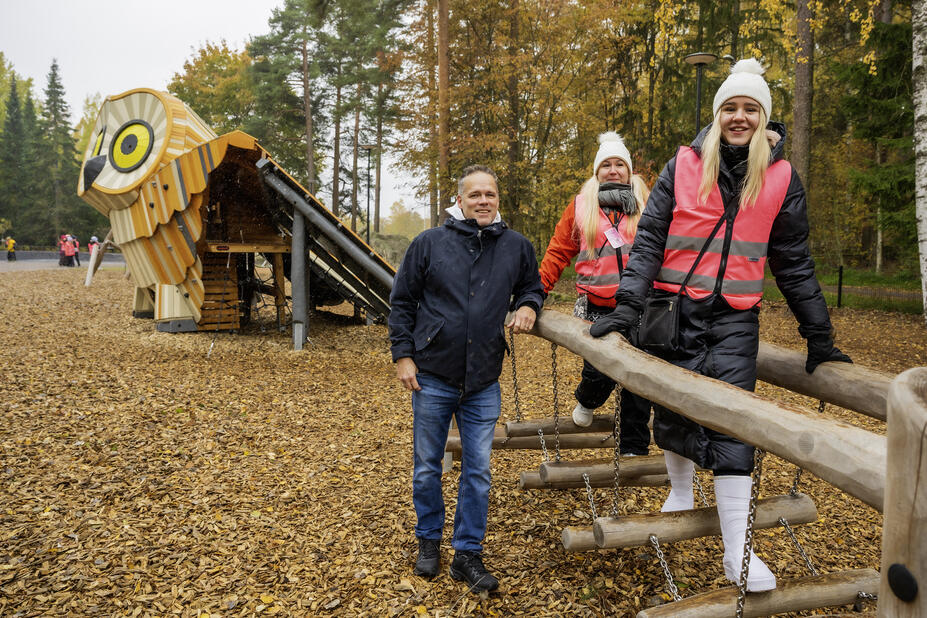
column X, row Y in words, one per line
column 919, row 19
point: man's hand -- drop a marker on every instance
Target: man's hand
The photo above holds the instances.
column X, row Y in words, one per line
column 621, row 320
column 821, row 349
column 523, row 320
column 405, row 371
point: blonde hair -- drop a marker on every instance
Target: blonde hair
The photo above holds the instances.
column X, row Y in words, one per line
column 589, row 226
column 757, row 162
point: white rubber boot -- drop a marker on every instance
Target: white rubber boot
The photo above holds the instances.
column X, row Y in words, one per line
column 582, row 416
column 733, row 495
column 680, row 471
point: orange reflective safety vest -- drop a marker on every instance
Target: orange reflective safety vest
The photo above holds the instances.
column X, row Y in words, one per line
column 598, row 277
column 745, row 259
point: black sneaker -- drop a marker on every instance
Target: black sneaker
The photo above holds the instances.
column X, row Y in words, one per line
column 468, row 566
column 429, row 558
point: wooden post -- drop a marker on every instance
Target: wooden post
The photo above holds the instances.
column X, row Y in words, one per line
column 903, row 588
column 298, row 280
column 279, row 290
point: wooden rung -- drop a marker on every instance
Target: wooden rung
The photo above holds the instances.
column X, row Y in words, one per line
column 635, row 530
column 578, row 539
column 601, row 469
column 532, row 480
column 791, row 595
column 600, row 423
column 569, row 441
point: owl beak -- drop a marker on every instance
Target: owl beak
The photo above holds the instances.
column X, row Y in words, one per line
column 92, row 169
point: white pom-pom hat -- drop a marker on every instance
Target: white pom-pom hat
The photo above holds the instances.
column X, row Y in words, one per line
column 745, row 80
column 611, row 145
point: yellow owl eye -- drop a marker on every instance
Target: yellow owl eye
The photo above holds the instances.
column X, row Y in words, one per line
column 131, row 145
column 98, row 144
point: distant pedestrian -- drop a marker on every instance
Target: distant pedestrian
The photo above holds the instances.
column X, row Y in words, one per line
column 62, row 257
column 69, row 250
column 10, row 249
column 76, row 249
column 92, row 244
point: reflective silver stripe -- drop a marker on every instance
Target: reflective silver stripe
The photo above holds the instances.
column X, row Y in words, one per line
column 705, row 282
column 598, row 280
column 742, row 248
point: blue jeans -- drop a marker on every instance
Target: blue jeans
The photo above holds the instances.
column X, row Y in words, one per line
column 476, row 413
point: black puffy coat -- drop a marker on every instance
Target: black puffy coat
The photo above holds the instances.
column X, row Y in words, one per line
column 717, row 340
column 450, row 297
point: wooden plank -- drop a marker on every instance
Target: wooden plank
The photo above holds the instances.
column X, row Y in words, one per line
column 601, row 469
column 851, row 458
column 793, row 595
column 635, row 530
column 904, row 528
column 600, row 423
column 578, row 539
column 570, row 441
column 255, row 247
column 532, row 480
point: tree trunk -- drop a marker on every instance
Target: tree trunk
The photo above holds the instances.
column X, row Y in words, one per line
column 430, row 61
column 804, row 95
column 307, row 109
column 376, row 190
column 919, row 22
column 336, row 157
column 357, row 106
column 444, row 85
column 878, row 241
column 513, row 189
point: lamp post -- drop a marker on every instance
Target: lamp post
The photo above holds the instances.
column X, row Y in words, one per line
column 699, row 59
column 368, row 148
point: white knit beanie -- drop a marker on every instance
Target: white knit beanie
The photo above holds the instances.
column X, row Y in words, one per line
column 611, row 145
column 745, row 80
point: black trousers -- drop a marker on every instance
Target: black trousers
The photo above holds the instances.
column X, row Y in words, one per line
column 595, row 388
column 719, row 342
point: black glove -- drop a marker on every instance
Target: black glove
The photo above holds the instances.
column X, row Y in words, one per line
column 621, row 320
column 821, row 349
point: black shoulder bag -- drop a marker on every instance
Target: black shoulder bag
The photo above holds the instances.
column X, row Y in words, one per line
column 658, row 333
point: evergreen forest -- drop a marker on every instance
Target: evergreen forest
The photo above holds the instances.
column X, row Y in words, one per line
column 524, row 86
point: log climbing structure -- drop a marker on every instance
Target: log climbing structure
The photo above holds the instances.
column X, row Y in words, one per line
column 194, row 212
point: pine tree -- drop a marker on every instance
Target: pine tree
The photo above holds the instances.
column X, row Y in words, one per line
column 11, row 157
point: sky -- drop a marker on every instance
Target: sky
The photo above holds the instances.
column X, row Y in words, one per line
column 110, row 46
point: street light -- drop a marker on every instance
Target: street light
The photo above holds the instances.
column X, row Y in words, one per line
column 368, row 148
column 699, row 59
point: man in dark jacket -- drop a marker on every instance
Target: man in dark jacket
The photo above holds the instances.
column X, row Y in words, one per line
column 448, row 306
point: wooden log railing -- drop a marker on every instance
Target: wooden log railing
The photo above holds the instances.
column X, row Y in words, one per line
column 845, row 456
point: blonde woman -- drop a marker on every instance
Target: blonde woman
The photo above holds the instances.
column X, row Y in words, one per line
column 730, row 182
column 599, row 226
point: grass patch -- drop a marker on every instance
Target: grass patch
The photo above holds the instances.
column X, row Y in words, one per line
column 855, row 301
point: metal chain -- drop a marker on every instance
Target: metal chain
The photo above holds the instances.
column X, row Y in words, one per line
column 543, row 444
column 514, row 376
column 616, row 434
column 785, row 524
column 867, row 596
column 589, row 495
column 553, row 360
column 701, row 490
column 666, row 572
column 748, row 537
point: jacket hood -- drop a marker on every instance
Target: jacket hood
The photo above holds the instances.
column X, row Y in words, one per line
column 470, row 227
column 775, row 152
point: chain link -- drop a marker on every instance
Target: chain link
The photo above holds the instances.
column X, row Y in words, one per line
column 748, row 537
column 666, row 571
column 701, row 490
column 785, row 524
column 589, row 495
column 616, row 434
column 514, row 376
column 553, row 361
column 793, row 491
column 867, row 596
column 543, row 444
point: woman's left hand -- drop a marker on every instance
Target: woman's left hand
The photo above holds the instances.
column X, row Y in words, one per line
column 773, row 138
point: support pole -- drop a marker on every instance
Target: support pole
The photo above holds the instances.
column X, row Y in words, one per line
column 298, row 280
column 903, row 587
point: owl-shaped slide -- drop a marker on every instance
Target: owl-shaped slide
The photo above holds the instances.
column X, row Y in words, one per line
column 191, row 210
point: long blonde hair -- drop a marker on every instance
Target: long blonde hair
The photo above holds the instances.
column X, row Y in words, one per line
column 589, row 226
column 757, row 162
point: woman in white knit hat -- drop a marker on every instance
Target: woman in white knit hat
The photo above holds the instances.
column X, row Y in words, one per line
column 721, row 210
column 599, row 226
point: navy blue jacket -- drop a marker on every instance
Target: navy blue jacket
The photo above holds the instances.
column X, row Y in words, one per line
column 450, row 297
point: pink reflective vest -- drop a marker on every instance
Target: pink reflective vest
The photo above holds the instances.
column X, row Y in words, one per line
column 598, row 277
column 742, row 283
